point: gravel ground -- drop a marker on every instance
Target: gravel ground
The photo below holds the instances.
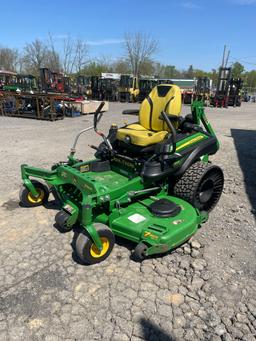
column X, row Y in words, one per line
column 205, row 290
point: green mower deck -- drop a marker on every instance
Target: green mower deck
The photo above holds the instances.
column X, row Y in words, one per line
column 137, row 223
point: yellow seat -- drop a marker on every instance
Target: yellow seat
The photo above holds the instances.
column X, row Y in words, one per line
column 151, row 129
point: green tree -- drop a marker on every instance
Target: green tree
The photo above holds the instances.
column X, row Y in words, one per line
column 38, row 54
column 121, row 66
column 170, row 71
column 147, row 68
column 200, row 73
column 214, row 76
column 95, row 69
column 9, row 58
column 35, row 56
column 250, row 80
column 237, row 70
column 159, row 70
column 139, row 49
column 190, row 72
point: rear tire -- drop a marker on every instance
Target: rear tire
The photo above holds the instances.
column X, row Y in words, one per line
column 201, row 185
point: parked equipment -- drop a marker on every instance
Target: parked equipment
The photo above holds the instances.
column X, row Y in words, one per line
column 104, row 88
column 164, row 81
column 7, row 78
column 187, row 96
column 95, row 87
column 145, row 86
column 54, row 81
column 128, row 90
column 22, row 83
column 186, row 86
column 108, row 89
column 202, row 89
column 150, row 183
column 234, row 95
column 220, row 98
column 37, row 106
column 83, row 86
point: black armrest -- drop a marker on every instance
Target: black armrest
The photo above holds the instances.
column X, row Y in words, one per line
column 191, row 126
column 130, row 112
column 173, row 118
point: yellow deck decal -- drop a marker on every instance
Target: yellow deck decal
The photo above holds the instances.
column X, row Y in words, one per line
column 151, row 235
column 195, row 139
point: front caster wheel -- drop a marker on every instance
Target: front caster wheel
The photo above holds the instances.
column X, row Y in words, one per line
column 139, row 252
column 61, row 220
column 87, row 251
column 29, row 200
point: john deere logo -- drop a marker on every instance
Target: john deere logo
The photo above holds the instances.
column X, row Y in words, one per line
column 84, row 168
column 64, row 174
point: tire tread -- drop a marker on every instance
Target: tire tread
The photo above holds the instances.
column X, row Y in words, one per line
column 186, row 187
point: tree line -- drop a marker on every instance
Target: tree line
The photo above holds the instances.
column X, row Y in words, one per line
column 72, row 57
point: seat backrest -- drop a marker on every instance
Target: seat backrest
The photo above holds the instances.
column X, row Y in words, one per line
column 163, row 97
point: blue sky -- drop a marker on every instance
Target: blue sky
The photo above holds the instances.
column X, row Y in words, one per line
column 189, row 32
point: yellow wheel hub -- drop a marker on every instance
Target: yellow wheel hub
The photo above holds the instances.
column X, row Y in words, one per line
column 95, row 252
column 38, row 199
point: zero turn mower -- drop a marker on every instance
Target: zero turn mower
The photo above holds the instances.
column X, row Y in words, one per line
column 151, row 182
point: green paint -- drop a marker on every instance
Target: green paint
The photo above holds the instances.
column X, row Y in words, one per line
column 117, row 197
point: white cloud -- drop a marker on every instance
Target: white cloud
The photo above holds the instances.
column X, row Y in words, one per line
column 245, row 2
column 190, row 5
column 90, row 42
column 104, row 42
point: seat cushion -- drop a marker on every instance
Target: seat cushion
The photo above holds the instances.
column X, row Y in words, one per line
column 164, row 97
column 140, row 136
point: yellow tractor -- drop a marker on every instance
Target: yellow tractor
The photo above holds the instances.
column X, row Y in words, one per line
column 128, row 90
